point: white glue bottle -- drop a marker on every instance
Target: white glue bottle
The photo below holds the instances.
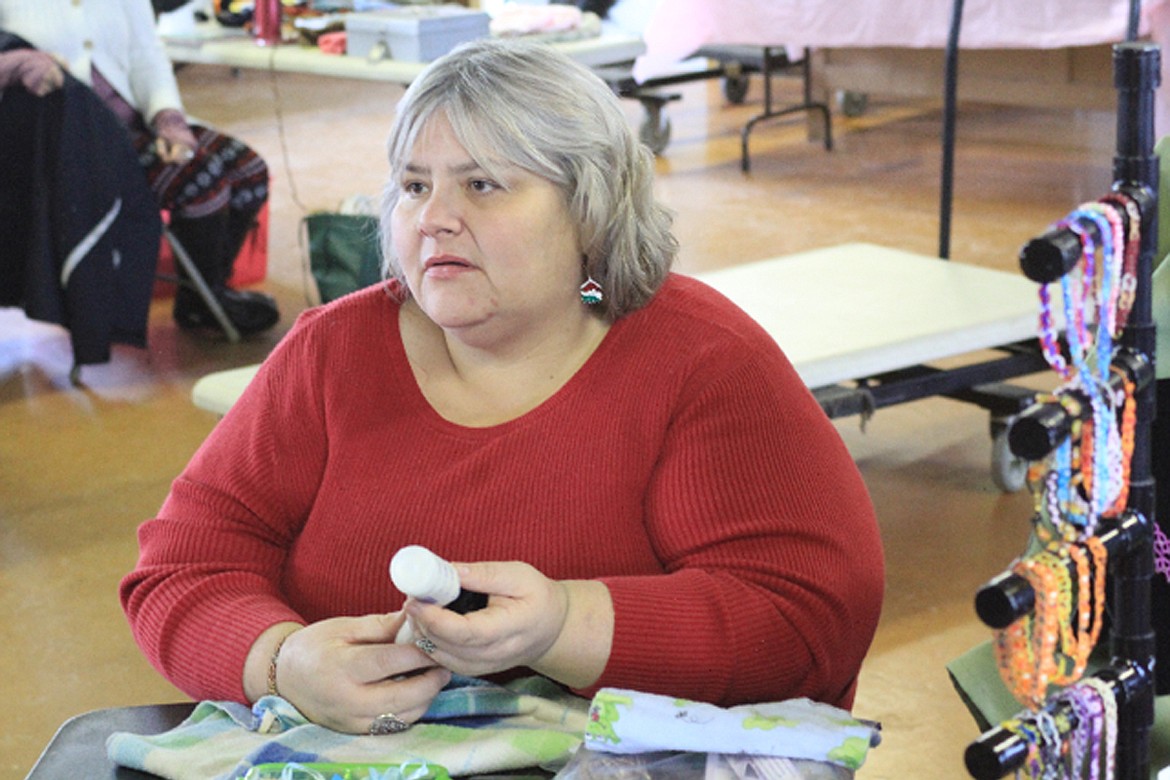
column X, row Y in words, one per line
column 420, row 574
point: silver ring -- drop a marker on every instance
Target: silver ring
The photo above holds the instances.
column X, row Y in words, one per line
column 425, row 644
column 387, row 723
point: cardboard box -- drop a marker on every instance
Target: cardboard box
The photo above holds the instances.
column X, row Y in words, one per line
column 417, row 33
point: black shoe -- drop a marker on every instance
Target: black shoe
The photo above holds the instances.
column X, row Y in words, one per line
column 251, row 312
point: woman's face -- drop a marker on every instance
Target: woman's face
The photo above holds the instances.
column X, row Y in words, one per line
column 481, row 251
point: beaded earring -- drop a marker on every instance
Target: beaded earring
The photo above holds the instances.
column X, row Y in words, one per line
column 591, row 292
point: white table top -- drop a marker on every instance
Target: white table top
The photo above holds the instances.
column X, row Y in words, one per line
column 855, row 310
column 215, row 45
column 841, row 313
column 218, row 391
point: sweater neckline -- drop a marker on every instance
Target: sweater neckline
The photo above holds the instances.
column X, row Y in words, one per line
column 565, row 394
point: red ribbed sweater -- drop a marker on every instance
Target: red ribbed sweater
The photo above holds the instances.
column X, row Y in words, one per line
column 685, row 465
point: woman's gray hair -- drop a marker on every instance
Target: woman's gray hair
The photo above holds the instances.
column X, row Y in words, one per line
column 531, row 106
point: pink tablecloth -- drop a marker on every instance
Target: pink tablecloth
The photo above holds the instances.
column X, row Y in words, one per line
column 677, row 28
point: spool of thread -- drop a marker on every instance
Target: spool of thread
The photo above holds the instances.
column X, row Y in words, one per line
column 422, row 575
column 266, row 22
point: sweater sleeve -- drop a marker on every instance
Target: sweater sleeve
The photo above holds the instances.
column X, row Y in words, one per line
column 774, row 568
column 208, row 579
column 151, row 74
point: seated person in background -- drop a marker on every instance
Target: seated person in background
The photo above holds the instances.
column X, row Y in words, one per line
column 621, row 458
column 213, row 185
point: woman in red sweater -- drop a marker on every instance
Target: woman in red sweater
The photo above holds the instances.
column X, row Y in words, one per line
column 641, row 484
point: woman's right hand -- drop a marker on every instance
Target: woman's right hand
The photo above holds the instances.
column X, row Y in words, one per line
column 343, row 673
column 38, row 72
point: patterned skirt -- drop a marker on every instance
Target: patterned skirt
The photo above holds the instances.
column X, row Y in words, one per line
column 224, row 172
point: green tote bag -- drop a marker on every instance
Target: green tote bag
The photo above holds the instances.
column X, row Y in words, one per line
column 344, row 252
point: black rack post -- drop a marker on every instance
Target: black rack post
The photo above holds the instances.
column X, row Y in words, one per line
column 1136, row 75
column 950, row 98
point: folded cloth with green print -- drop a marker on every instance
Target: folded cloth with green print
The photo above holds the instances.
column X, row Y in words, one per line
column 630, row 722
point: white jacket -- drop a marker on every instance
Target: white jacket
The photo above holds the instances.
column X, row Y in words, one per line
column 116, row 36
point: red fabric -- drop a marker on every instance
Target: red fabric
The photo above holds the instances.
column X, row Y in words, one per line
column 685, row 465
column 332, row 43
column 251, row 266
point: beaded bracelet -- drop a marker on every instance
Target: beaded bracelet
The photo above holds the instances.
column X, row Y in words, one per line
column 1026, row 650
column 1127, row 436
column 272, row 689
column 1045, row 756
column 1128, row 287
column 1055, row 482
column 1090, row 561
column 1049, row 341
column 1084, row 562
column 1080, row 741
column 1108, row 703
column 1112, row 230
column 1031, row 766
column 1161, row 552
column 1045, row 648
column 1076, row 290
column 1100, row 283
column 1084, row 741
column 1051, row 743
column 1089, row 353
column 1112, row 470
column 1073, row 312
column 1097, row 478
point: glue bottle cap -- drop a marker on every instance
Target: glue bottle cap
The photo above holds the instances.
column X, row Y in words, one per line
column 418, row 572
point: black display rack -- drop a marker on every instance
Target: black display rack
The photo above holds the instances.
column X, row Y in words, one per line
column 1129, row 671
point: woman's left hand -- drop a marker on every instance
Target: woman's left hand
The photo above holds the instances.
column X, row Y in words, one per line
column 522, row 620
column 562, row 629
column 175, row 143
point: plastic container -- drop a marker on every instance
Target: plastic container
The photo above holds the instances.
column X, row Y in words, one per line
column 413, row 33
column 413, row 770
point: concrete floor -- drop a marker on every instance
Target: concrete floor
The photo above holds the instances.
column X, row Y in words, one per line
column 81, row 467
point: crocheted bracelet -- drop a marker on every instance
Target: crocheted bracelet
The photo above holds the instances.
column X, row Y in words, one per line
column 1116, row 462
column 1133, row 239
column 1026, row 650
column 1073, row 737
column 1086, row 739
column 1161, row 552
column 1111, row 228
column 1046, row 647
column 1045, row 755
column 1090, row 560
column 1108, row 741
